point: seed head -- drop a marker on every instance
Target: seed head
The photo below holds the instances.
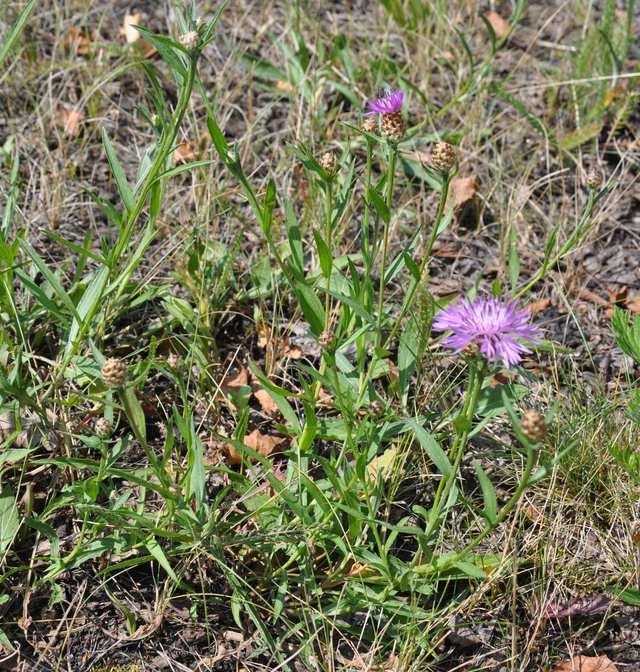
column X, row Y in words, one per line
column 189, row 40
column 114, row 372
column 533, row 425
column 328, row 162
column 103, row 428
column 594, row 179
column 370, row 125
column 443, row 157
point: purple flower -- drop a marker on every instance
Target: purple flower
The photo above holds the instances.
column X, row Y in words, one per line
column 390, row 103
column 494, row 326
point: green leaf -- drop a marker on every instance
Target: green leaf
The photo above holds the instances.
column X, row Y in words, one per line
column 324, row 255
column 9, row 518
column 87, row 308
column 311, row 307
column 488, row 493
column 378, row 203
column 156, row 551
column 627, row 333
column 122, row 184
column 431, row 447
column 15, row 31
column 134, row 413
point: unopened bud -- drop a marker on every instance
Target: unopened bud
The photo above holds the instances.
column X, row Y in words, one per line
column 114, row 372
column 533, row 426
column 328, row 162
column 594, row 179
column 443, row 157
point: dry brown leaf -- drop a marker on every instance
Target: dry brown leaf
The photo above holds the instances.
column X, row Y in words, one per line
column 591, row 297
column 184, row 152
column 586, row 664
column 284, row 86
column 635, row 534
column 128, row 29
column 70, row 120
column 262, row 443
column 240, row 380
column 466, row 201
column 267, row 404
column 633, row 304
column 146, row 629
column 77, row 41
column 536, row 307
column 499, row 25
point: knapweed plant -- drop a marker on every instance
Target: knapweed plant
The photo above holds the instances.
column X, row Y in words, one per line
column 335, row 484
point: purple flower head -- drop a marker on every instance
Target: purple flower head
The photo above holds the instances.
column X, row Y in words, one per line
column 496, row 327
column 390, row 103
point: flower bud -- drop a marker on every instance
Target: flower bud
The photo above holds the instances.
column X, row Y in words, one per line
column 370, row 125
column 594, row 179
column 443, row 157
column 114, row 372
column 103, row 428
column 328, row 162
column 189, row 40
column 533, row 426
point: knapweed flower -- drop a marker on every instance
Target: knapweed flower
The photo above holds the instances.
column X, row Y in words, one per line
column 495, row 327
column 390, row 107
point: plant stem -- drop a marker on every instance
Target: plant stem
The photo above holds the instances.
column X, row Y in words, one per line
column 391, row 167
column 463, row 425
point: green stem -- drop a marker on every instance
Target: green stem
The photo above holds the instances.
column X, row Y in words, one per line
column 463, row 425
column 500, row 518
column 166, row 143
column 393, row 151
column 425, row 260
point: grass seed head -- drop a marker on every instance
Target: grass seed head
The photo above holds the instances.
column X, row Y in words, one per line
column 533, row 425
column 443, row 157
column 114, row 372
column 103, row 428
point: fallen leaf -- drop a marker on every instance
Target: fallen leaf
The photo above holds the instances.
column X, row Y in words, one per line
column 128, row 29
column 633, row 304
column 77, row 41
column 146, row 629
column 267, row 404
column 586, row 664
column 635, row 534
column 240, row 380
column 70, row 120
column 585, row 606
column 587, row 295
column 533, row 513
column 382, row 465
column 540, row 306
column 467, row 205
column 262, row 443
column 284, row 86
column 499, row 25
column 184, row 152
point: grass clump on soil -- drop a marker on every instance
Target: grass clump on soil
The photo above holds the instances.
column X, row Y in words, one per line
column 297, row 375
